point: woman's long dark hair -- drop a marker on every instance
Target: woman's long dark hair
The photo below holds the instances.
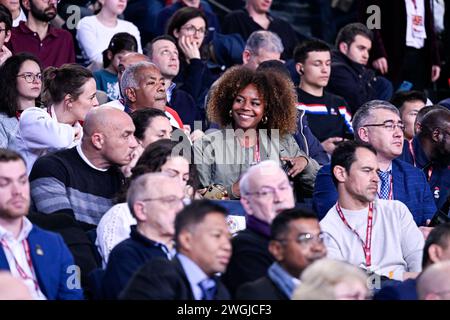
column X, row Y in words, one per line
column 8, row 82
column 153, row 158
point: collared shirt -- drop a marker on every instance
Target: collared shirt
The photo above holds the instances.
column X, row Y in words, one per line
column 85, row 159
column 17, row 253
column 194, row 275
column 20, row 17
column 54, row 50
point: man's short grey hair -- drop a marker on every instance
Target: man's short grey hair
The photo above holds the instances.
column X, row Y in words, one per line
column 130, row 78
column 265, row 166
column 364, row 115
column 138, row 189
column 266, row 40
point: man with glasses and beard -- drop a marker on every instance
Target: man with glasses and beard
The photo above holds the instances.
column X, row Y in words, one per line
column 53, row 46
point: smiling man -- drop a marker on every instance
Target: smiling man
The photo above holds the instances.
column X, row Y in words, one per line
column 374, row 234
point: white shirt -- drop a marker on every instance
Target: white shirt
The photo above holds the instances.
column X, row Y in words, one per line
column 17, row 250
column 397, row 242
column 415, row 33
column 94, row 37
column 20, row 17
column 113, row 228
column 39, row 133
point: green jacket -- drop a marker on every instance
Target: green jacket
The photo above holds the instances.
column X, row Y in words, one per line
column 220, row 159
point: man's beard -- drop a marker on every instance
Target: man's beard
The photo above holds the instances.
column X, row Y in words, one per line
column 42, row 15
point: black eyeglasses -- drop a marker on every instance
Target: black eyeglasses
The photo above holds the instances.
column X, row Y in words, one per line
column 30, row 77
column 388, row 125
column 308, row 239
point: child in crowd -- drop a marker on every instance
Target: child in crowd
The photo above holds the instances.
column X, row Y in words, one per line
column 95, row 32
column 120, row 44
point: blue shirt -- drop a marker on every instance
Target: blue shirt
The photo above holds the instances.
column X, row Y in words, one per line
column 439, row 180
column 194, row 275
column 108, row 83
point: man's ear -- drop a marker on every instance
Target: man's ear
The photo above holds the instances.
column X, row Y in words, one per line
column 277, row 250
column 435, row 253
column 363, row 134
column 246, row 205
column 131, row 94
column 343, row 47
column 98, row 140
column 246, row 55
column 184, row 240
column 340, row 173
column 299, row 68
column 139, row 211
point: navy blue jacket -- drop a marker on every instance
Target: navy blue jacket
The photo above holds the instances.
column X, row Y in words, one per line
column 440, row 173
column 125, row 259
column 409, row 186
column 351, row 80
column 405, row 290
column 53, row 263
column 308, row 142
column 183, row 103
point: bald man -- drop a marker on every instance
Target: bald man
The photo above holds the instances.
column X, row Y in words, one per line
column 83, row 181
column 434, row 283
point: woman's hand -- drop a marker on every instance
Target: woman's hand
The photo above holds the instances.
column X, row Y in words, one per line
column 298, row 165
column 189, row 47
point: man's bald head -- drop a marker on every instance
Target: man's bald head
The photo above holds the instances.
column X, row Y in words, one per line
column 102, row 119
column 434, row 282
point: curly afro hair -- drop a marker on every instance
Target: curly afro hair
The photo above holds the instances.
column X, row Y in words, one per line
column 276, row 90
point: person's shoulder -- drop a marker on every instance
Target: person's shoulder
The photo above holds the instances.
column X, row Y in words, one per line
column 236, row 14
column 88, row 20
column 248, row 236
column 49, row 162
column 130, row 26
column 408, row 169
column 392, row 206
column 334, row 98
column 47, row 237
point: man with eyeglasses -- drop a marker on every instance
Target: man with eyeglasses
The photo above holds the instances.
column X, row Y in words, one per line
column 265, row 192
column 53, row 46
column 429, row 151
column 378, row 123
column 296, row 242
column 374, row 234
column 155, row 210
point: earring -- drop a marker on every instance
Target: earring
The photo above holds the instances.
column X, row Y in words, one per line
column 264, row 120
column 231, row 113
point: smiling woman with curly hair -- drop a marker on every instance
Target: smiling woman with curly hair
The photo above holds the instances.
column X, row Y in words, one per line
column 257, row 115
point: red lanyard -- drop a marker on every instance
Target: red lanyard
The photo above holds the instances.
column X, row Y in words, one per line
column 415, row 4
column 19, row 269
column 367, row 244
column 411, row 150
column 256, row 155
